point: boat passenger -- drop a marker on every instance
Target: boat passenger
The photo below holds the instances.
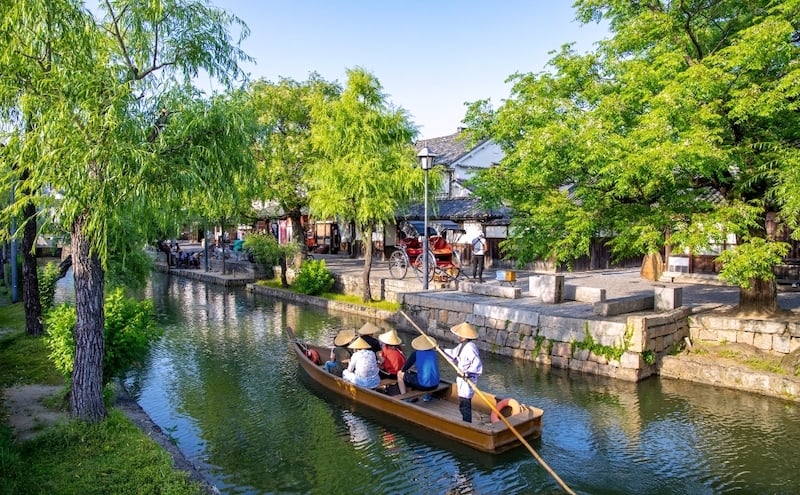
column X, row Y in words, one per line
column 470, row 367
column 425, row 360
column 392, row 358
column 367, row 332
column 363, row 367
column 336, row 364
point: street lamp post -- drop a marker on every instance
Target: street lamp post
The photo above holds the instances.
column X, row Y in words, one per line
column 426, row 162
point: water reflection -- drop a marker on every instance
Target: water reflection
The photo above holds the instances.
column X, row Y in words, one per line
column 224, row 383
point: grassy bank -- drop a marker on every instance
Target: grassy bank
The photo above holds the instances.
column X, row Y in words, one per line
column 73, row 457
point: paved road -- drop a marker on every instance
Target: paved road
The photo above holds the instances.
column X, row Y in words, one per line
column 697, row 290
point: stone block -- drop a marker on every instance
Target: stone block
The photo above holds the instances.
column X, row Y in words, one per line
column 561, row 349
column 548, row 288
column 763, row 326
column 667, row 298
column 781, row 343
column 631, row 360
column 762, row 341
column 622, row 305
column 559, row 361
column 745, row 338
column 584, row 294
column 491, row 290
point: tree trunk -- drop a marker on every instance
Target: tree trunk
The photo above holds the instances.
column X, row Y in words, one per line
column 366, row 294
column 299, row 237
column 86, row 397
column 298, row 234
column 30, row 274
column 761, row 297
column 284, row 267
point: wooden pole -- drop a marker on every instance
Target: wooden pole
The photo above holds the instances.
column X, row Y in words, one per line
column 494, row 408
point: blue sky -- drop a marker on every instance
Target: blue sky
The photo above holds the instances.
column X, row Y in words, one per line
column 430, row 56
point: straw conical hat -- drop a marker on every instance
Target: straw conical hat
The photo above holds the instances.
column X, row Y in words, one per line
column 423, row 343
column 390, row 338
column 359, row 343
column 369, row 328
column 465, row 331
column 344, row 337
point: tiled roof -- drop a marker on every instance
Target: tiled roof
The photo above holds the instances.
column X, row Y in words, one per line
column 448, row 149
column 458, row 210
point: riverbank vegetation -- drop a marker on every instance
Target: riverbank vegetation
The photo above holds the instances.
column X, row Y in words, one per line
column 335, row 296
column 112, row 456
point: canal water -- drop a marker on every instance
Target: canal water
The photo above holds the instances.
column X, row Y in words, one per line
column 225, row 386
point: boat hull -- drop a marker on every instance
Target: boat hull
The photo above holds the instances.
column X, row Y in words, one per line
column 440, row 415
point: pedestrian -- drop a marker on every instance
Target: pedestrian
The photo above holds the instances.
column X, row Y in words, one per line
column 468, row 361
column 425, row 360
column 478, row 253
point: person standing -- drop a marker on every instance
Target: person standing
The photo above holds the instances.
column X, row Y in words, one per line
column 478, row 254
column 468, row 361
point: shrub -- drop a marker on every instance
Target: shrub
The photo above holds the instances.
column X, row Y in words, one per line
column 129, row 330
column 313, row 278
column 48, row 277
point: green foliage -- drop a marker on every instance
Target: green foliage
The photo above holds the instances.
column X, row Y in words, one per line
column 649, row 357
column 313, row 278
column 266, row 249
column 283, row 149
column 25, row 359
column 60, row 326
column 129, row 331
column 684, row 121
column 48, row 277
column 751, row 261
column 114, row 457
column 612, row 353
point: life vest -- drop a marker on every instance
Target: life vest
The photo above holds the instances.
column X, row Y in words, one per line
column 313, row 355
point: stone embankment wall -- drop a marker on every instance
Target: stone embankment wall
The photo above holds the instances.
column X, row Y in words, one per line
column 781, row 337
column 774, row 337
column 628, row 350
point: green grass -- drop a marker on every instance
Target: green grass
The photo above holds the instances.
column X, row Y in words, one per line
column 113, row 456
column 343, row 298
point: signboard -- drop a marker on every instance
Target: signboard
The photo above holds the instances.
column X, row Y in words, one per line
column 497, row 231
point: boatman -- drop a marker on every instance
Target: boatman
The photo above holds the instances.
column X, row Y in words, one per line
column 470, row 367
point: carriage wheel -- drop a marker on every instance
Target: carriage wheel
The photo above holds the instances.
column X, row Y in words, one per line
column 398, row 264
column 419, row 269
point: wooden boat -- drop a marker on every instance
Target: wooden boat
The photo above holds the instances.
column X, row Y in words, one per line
column 487, row 433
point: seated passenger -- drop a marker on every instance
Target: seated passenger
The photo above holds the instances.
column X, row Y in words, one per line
column 336, row 365
column 426, row 376
column 363, row 367
column 392, row 358
column 367, row 331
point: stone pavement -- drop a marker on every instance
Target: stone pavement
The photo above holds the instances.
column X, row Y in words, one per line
column 701, row 292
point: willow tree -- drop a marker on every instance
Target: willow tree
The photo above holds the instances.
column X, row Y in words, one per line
column 684, row 122
column 106, row 113
column 368, row 166
column 283, row 147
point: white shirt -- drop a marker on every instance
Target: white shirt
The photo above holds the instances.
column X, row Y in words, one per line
column 478, row 246
column 363, row 369
column 469, row 362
